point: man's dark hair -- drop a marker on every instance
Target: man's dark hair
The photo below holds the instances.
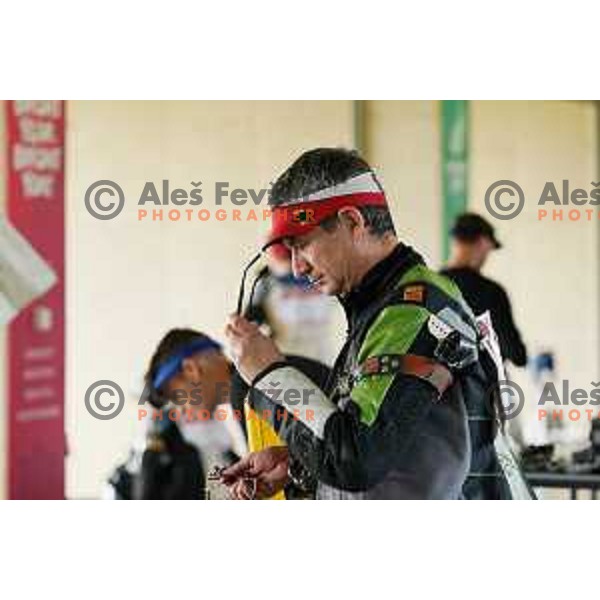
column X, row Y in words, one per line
column 173, row 341
column 324, row 167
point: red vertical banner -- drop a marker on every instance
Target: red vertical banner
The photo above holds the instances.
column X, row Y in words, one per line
column 35, row 207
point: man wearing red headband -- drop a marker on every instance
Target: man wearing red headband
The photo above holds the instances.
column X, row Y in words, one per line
column 392, row 423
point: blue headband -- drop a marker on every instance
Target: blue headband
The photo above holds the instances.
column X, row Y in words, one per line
column 173, row 364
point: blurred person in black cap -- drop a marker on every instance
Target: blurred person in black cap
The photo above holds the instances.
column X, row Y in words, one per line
column 473, row 238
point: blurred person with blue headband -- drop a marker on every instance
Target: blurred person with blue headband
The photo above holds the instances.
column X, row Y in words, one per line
column 187, row 384
column 194, row 422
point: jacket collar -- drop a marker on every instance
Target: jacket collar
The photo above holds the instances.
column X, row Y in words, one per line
column 379, row 279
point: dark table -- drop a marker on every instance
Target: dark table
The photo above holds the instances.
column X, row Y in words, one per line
column 570, row 481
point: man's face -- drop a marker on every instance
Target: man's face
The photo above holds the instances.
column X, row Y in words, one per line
column 325, row 257
column 473, row 253
column 203, row 383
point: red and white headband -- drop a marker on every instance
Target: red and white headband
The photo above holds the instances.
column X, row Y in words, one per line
column 301, row 215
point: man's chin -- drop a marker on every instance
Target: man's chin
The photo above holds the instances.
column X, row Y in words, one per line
column 328, row 288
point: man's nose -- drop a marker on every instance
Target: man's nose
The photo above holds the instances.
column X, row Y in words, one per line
column 299, row 266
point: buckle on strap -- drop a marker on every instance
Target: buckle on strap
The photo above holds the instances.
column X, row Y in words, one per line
column 409, row 364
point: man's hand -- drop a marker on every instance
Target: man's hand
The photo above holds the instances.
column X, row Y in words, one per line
column 269, row 468
column 250, row 349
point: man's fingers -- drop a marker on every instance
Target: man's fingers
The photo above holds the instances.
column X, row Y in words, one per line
column 243, row 489
column 236, row 491
column 245, row 467
column 241, row 492
column 234, row 472
column 230, row 332
column 240, row 326
column 232, row 325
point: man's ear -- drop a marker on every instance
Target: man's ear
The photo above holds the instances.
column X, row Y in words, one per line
column 352, row 217
column 192, row 369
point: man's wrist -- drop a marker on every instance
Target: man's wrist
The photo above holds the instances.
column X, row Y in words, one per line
column 278, row 364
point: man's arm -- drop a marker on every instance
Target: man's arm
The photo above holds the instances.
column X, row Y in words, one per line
column 337, row 446
column 355, row 445
column 355, row 448
column 509, row 337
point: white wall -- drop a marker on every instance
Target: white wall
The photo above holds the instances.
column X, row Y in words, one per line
column 403, row 141
column 130, row 281
column 550, row 268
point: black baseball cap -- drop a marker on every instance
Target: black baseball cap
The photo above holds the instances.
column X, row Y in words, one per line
column 470, row 227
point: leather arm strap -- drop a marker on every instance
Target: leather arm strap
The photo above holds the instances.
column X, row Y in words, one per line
column 410, row 364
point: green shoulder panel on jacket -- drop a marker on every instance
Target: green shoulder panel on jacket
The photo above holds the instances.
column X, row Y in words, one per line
column 422, row 273
column 397, row 330
column 393, row 332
